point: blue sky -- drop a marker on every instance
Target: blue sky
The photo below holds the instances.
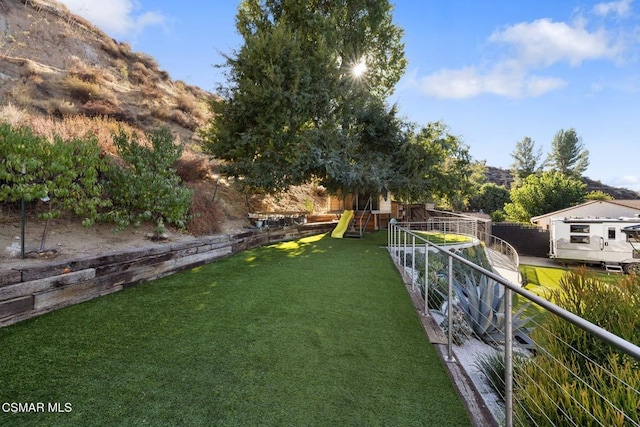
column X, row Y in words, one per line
column 493, row 71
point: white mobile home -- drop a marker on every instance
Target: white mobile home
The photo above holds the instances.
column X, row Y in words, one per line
column 595, row 241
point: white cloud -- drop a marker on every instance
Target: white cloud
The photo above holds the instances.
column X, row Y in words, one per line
column 628, row 181
column 115, row 17
column 544, row 42
column 531, row 46
column 470, row 82
column 620, row 8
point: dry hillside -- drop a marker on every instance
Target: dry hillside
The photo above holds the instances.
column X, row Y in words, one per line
column 57, row 64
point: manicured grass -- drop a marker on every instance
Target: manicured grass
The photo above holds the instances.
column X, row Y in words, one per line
column 315, row 332
column 540, row 280
column 440, row 238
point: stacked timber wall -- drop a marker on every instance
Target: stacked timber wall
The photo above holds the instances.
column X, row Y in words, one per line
column 37, row 289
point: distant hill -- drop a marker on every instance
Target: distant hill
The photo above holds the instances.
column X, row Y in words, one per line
column 504, row 177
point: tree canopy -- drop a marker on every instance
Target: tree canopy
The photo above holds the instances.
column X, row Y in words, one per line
column 433, row 165
column 305, row 100
column 291, row 90
column 490, row 198
column 541, row 194
column 526, row 159
column 568, row 154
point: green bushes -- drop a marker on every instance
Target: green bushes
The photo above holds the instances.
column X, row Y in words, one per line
column 575, row 375
column 68, row 172
column 492, row 366
column 148, row 189
column 77, row 178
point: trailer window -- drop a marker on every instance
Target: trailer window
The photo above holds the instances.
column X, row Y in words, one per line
column 580, row 239
column 580, row 228
column 611, row 233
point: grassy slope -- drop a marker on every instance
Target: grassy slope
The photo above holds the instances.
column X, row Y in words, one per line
column 314, row 332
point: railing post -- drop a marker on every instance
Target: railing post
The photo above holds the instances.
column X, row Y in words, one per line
column 426, row 278
column 444, row 231
column 393, row 239
column 413, row 262
column 450, row 357
column 404, row 253
column 392, row 228
column 508, row 358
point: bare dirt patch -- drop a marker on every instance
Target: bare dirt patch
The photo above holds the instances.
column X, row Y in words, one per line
column 68, row 239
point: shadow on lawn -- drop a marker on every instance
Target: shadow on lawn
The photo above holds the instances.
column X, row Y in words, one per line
column 303, row 246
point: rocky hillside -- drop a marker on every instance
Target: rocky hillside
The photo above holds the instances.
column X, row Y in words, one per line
column 55, row 63
column 501, row 176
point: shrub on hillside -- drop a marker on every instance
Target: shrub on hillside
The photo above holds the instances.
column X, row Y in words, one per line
column 206, row 215
column 148, row 188
column 191, row 168
column 68, row 172
column 82, row 90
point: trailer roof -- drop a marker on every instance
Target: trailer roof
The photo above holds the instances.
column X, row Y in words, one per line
column 597, row 220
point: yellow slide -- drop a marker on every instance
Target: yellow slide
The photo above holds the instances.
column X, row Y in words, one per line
column 343, row 224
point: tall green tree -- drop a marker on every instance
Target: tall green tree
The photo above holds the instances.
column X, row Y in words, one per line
column 526, row 159
column 297, row 89
column 434, row 165
column 490, row 197
column 544, row 193
column 568, row 154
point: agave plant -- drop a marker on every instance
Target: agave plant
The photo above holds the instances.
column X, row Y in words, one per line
column 483, row 301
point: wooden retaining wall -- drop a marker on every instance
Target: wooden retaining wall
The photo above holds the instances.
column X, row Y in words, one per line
column 38, row 289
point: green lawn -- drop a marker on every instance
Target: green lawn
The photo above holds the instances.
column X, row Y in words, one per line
column 439, row 238
column 540, row 280
column 309, row 333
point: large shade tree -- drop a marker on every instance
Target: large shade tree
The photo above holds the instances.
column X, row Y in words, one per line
column 435, row 166
column 310, row 75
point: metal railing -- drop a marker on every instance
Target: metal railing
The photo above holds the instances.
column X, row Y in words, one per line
column 500, row 246
column 466, row 227
column 524, row 401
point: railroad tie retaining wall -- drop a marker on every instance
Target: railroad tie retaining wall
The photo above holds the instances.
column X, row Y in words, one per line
column 39, row 289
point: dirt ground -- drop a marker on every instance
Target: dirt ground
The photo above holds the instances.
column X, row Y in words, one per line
column 67, row 239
